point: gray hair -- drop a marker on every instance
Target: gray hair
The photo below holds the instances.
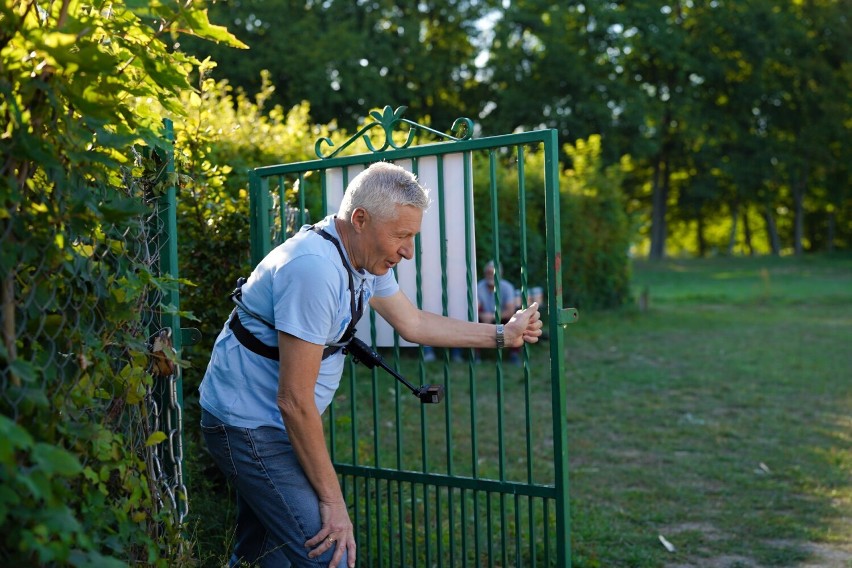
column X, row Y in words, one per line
column 380, row 188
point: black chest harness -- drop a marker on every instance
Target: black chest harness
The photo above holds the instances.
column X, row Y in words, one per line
column 248, row 340
column 360, row 351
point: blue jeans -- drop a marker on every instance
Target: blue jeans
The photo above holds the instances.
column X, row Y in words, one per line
column 277, row 509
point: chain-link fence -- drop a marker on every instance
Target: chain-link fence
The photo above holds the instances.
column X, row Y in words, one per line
column 91, row 425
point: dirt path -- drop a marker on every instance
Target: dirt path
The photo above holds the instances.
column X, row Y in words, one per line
column 820, row 555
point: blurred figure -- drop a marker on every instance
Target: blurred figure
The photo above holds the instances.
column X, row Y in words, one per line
column 486, row 309
column 485, row 292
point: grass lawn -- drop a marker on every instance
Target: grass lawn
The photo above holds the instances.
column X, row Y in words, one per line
column 720, row 418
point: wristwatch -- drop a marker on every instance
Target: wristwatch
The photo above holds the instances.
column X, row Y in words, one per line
column 501, row 339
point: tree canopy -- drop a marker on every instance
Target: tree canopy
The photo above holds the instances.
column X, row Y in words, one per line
column 735, row 114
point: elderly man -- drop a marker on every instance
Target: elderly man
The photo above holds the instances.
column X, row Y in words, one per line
column 277, row 363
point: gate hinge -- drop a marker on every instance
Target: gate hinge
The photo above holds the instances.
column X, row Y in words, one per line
column 568, row 315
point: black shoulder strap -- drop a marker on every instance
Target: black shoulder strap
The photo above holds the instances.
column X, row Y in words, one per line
column 356, row 311
column 253, row 344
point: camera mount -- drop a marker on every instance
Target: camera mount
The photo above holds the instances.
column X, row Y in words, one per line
column 361, row 352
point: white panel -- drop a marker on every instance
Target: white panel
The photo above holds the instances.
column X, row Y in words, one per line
column 430, row 236
column 335, row 187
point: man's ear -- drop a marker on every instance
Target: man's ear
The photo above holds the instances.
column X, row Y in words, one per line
column 359, row 218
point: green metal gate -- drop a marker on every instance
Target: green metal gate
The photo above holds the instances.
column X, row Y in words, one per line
column 482, row 478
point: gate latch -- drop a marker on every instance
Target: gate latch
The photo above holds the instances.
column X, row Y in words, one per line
column 568, row 315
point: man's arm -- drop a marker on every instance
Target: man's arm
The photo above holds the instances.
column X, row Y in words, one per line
column 298, row 371
column 427, row 328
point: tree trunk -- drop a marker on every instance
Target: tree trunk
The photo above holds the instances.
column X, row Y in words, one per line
column 699, row 233
column 8, row 314
column 799, row 188
column 772, row 231
column 660, row 195
column 664, row 204
column 747, row 233
column 658, row 212
column 732, row 240
column 832, row 220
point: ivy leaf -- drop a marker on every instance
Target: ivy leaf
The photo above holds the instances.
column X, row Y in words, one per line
column 25, row 370
column 54, row 460
column 155, row 438
column 86, row 558
column 60, row 519
column 119, row 210
column 8, row 499
column 12, row 437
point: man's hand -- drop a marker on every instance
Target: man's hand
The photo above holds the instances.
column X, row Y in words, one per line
column 524, row 327
column 336, row 531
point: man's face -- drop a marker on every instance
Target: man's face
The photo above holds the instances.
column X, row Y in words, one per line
column 388, row 241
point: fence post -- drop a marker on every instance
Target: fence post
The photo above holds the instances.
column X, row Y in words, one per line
column 170, row 389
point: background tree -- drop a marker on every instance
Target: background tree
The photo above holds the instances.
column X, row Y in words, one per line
column 545, row 69
column 345, row 57
column 731, row 112
column 812, row 95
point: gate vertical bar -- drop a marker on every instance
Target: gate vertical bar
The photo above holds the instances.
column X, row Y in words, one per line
column 448, row 422
column 472, row 315
column 554, row 308
column 377, row 459
column 522, row 216
column 498, row 317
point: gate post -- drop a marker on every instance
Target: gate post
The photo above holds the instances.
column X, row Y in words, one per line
column 169, row 389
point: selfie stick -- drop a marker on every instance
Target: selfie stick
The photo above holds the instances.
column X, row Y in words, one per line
column 428, row 394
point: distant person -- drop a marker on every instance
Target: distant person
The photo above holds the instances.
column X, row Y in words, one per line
column 486, row 309
column 485, row 292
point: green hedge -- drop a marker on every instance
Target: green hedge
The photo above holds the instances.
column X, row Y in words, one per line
column 83, row 87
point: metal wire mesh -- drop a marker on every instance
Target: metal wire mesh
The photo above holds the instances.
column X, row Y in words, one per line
column 82, row 299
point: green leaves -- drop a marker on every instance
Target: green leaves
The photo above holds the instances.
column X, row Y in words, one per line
column 80, row 84
column 55, row 461
column 155, row 438
column 195, row 22
column 12, row 439
column 344, row 57
column 120, row 209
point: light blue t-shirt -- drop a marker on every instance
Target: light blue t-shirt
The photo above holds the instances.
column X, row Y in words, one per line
column 303, row 288
column 486, row 295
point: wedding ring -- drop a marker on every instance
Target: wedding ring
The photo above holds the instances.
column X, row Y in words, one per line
column 330, row 539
